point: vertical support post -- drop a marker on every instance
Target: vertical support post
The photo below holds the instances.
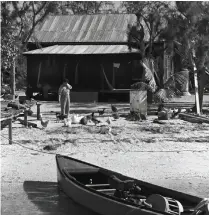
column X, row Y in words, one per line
column 39, row 73
column 26, row 118
column 38, row 111
column 197, row 101
column 13, row 80
column 185, row 86
column 10, row 131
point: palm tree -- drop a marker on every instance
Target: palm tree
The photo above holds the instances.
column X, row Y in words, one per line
column 151, row 80
column 162, row 92
column 186, row 24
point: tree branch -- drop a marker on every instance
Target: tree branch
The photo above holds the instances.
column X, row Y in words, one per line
column 41, row 8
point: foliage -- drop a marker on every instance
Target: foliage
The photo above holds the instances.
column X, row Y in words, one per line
column 183, row 25
column 152, row 18
column 189, row 27
column 9, row 50
column 85, row 7
column 18, row 20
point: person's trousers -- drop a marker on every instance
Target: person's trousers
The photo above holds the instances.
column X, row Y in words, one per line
column 65, row 104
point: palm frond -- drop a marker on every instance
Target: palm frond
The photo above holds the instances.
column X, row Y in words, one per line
column 178, row 78
column 170, row 90
column 163, row 95
column 149, row 73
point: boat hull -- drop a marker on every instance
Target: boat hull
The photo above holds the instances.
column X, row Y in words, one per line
column 97, row 202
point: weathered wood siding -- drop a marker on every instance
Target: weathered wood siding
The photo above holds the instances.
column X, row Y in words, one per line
column 84, row 72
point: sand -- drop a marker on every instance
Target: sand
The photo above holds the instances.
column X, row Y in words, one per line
column 175, row 155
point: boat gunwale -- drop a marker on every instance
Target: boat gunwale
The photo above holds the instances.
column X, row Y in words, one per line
column 69, row 177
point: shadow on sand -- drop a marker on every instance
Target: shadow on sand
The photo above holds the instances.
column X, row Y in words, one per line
column 49, row 199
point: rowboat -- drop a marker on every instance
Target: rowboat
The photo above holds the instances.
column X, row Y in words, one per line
column 110, row 193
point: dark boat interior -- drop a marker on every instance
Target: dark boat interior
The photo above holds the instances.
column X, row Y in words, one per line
column 120, row 187
column 94, row 179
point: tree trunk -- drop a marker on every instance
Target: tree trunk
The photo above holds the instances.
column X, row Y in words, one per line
column 197, row 100
column 2, row 78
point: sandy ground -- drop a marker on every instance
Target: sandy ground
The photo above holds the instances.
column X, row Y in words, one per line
column 175, row 155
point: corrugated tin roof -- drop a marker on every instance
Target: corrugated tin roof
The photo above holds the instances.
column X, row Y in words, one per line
column 83, row 49
column 85, row 28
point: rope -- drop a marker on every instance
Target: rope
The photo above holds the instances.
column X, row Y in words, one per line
column 108, row 83
column 186, row 150
column 76, row 73
column 15, row 142
column 139, row 151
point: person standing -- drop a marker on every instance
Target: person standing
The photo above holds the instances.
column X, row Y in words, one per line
column 64, row 97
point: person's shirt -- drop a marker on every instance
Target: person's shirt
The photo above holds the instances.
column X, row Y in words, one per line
column 64, row 89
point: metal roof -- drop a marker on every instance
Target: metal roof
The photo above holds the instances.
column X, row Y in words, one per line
column 83, row 49
column 84, row 28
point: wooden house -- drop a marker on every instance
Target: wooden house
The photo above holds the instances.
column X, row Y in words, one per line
column 90, row 50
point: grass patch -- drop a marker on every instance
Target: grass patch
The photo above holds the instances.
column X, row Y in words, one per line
column 193, row 139
column 149, row 140
column 161, row 130
column 73, row 141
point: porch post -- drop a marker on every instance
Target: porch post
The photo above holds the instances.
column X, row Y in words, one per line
column 39, row 73
column 10, row 131
column 38, row 111
column 13, row 80
column 26, row 118
column 185, row 87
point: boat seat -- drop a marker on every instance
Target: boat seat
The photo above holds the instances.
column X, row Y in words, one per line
column 97, row 185
column 119, row 184
column 107, row 191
